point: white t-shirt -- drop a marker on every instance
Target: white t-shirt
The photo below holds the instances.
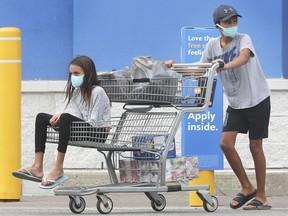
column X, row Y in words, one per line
column 244, row 86
column 99, row 112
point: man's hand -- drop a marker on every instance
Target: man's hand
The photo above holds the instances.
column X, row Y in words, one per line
column 169, row 63
column 216, row 61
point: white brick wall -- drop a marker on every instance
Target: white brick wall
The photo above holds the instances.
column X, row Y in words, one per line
column 47, row 96
column 275, row 146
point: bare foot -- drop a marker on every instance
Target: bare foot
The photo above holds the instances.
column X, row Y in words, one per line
column 257, row 204
column 53, row 175
column 37, row 172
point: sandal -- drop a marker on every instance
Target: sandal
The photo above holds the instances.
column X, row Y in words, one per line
column 256, row 205
column 242, row 199
column 26, row 175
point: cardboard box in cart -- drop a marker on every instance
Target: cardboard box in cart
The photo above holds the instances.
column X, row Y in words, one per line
column 177, row 169
column 153, row 143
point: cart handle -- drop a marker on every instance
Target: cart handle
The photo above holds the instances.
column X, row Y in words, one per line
column 133, row 108
column 145, row 80
column 195, row 64
column 141, row 80
column 221, row 64
column 198, row 64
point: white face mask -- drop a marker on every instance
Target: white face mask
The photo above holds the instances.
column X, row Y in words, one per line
column 229, row 32
column 77, row 81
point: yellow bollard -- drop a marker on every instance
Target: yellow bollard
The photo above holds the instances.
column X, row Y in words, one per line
column 10, row 113
column 206, row 177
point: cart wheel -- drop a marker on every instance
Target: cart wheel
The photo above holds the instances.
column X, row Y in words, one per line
column 104, row 208
column 159, row 207
column 213, row 207
column 77, row 209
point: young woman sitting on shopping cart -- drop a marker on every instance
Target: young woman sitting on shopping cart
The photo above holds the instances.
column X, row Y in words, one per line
column 89, row 103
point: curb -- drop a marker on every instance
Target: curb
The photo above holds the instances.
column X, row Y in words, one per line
column 226, row 183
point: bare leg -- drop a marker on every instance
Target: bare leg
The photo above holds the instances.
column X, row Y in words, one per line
column 260, row 168
column 228, row 141
column 57, row 170
column 37, row 167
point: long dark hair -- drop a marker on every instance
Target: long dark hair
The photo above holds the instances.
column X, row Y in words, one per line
column 90, row 79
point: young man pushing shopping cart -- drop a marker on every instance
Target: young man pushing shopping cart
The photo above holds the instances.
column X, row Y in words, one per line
column 249, row 103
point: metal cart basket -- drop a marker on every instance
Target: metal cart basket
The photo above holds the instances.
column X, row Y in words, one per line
column 136, row 147
column 189, row 89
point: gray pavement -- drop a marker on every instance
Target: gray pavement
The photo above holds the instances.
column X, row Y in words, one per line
column 43, row 202
column 226, row 183
column 132, row 204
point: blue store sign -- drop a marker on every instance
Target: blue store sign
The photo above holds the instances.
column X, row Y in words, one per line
column 201, row 132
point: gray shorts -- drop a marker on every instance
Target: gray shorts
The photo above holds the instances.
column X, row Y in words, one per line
column 254, row 119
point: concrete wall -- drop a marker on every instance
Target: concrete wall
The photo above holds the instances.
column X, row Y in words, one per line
column 275, row 146
column 84, row 166
column 43, row 96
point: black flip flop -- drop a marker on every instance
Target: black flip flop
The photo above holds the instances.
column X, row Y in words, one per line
column 26, row 176
column 242, row 199
column 256, row 205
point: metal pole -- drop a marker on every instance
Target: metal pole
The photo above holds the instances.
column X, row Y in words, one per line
column 10, row 112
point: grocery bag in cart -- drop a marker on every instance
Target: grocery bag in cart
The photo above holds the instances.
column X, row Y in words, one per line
column 117, row 83
column 153, row 81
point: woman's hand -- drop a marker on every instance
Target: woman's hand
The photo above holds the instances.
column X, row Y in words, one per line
column 53, row 121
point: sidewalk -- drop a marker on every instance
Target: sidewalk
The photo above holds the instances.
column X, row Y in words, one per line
column 36, row 201
column 132, row 204
column 225, row 182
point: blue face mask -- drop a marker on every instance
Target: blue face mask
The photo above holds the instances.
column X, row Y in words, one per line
column 77, row 81
column 229, row 32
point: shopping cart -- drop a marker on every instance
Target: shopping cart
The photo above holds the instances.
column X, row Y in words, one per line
column 188, row 90
column 136, row 147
